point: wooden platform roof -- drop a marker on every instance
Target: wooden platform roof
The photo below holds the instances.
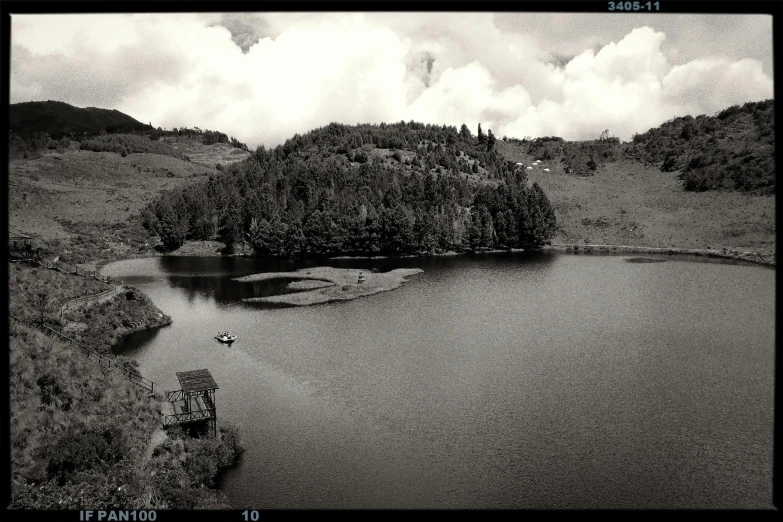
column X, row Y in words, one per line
column 196, row 381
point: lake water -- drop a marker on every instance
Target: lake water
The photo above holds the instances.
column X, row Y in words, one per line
column 495, row 381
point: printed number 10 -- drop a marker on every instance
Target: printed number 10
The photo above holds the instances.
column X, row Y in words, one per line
column 250, row 515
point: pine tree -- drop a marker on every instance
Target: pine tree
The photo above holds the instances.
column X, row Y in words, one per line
column 473, row 231
column 482, row 138
column 487, row 232
column 294, row 244
column 396, row 231
column 501, row 230
column 490, row 140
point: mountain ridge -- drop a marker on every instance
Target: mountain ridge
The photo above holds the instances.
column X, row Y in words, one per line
column 59, row 119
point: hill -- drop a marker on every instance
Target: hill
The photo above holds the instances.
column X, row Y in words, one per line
column 607, row 192
column 36, row 127
column 734, row 149
column 59, row 119
column 366, row 189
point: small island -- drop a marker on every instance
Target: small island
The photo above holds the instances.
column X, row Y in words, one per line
column 326, row 284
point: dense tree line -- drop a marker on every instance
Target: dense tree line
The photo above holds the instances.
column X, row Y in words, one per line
column 125, row 144
column 207, row 137
column 366, row 189
column 28, row 146
column 734, row 149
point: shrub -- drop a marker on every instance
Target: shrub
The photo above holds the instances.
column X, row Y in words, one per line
column 361, row 156
column 81, row 448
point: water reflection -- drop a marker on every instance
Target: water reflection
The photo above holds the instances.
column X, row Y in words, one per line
column 212, row 277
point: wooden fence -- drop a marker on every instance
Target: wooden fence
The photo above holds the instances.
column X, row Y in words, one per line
column 86, row 298
column 106, row 362
column 92, row 274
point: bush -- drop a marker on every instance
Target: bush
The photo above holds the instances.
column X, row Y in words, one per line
column 361, row 156
column 81, row 448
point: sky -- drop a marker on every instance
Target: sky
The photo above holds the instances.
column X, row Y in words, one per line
column 262, row 77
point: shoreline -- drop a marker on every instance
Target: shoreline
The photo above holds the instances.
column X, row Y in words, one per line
column 208, row 249
column 724, row 253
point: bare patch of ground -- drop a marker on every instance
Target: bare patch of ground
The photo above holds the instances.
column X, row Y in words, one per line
column 344, row 284
column 208, row 155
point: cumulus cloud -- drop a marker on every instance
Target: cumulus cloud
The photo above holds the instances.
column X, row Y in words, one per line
column 246, row 28
column 264, row 77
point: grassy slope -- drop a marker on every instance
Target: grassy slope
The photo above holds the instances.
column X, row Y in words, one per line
column 630, row 203
column 89, row 186
column 53, row 388
column 59, row 397
column 80, row 206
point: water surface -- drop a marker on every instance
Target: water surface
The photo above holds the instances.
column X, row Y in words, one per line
column 496, row 381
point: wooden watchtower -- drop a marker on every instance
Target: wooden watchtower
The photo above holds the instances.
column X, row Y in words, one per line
column 194, row 402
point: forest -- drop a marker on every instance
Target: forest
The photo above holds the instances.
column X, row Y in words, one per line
column 403, row 188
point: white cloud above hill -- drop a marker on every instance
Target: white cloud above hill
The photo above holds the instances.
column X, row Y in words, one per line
column 262, row 77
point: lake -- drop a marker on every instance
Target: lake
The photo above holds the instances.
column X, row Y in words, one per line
column 519, row 380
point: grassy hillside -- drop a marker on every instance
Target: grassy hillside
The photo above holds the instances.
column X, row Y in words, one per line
column 81, row 204
column 624, row 201
column 59, row 119
column 81, row 437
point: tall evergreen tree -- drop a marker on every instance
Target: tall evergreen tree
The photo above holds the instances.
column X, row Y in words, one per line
column 490, row 140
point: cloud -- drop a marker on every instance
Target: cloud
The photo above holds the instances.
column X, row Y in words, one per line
column 727, row 84
column 246, row 28
column 264, row 77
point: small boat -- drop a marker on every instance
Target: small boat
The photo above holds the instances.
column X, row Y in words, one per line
column 226, row 338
